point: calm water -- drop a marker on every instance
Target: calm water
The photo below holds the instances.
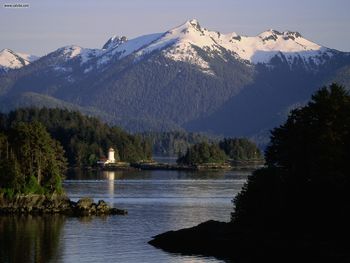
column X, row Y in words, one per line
column 157, row 201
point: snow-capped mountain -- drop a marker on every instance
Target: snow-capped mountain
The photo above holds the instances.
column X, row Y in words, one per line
column 179, row 42
column 12, row 60
column 185, row 78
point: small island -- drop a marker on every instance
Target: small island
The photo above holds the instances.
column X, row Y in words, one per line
column 229, row 153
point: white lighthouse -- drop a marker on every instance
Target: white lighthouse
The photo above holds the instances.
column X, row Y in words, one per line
column 111, row 156
column 109, row 160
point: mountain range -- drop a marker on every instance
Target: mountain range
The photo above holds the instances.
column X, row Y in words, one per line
column 185, row 78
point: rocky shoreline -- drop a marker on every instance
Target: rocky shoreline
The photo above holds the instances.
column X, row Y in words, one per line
column 228, row 242
column 211, row 238
column 55, row 204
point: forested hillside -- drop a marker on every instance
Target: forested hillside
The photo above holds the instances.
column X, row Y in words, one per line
column 84, row 139
column 30, row 160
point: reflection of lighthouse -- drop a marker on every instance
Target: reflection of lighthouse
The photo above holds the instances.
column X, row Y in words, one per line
column 111, row 156
column 110, row 175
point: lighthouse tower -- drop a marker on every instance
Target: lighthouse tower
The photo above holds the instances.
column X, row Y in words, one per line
column 111, row 156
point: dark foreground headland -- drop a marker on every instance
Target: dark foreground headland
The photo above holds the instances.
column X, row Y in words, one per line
column 235, row 244
column 55, row 204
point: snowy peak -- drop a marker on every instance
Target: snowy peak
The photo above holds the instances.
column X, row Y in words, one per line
column 12, row 60
column 72, row 52
column 114, row 42
column 190, row 26
column 193, row 24
column 270, row 36
column 263, row 47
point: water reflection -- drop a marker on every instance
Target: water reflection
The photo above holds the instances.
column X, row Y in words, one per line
column 110, row 176
column 78, row 174
column 30, row 238
column 157, row 201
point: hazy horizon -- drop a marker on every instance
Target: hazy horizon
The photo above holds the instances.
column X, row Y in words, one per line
column 45, row 26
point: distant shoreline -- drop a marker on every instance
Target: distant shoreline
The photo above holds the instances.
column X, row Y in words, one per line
column 234, row 165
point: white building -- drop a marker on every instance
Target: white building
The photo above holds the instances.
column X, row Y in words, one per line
column 111, row 158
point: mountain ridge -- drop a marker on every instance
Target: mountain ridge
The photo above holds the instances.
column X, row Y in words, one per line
column 185, row 78
column 192, row 32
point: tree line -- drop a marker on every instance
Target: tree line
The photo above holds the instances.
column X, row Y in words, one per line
column 30, row 160
column 237, row 149
column 84, row 139
column 173, row 143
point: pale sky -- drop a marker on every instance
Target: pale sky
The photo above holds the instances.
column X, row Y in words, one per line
column 47, row 24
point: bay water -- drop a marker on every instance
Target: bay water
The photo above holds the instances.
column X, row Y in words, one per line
column 157, row 201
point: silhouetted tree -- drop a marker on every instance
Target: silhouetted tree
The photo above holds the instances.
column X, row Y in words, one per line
column 306, row 184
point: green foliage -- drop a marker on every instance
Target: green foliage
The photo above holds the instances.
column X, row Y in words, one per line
column 8, row 192
column 10, row 174
column 306, row 183
column 32, row 186
column 175, row 142
column 84, row 139
column 32, row 162
column 203, row 153
column 240, row 149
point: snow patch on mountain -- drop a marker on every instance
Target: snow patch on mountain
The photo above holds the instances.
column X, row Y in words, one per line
column 12, row 60
column 127, row 47
column 73, row 51
column 187, row 53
